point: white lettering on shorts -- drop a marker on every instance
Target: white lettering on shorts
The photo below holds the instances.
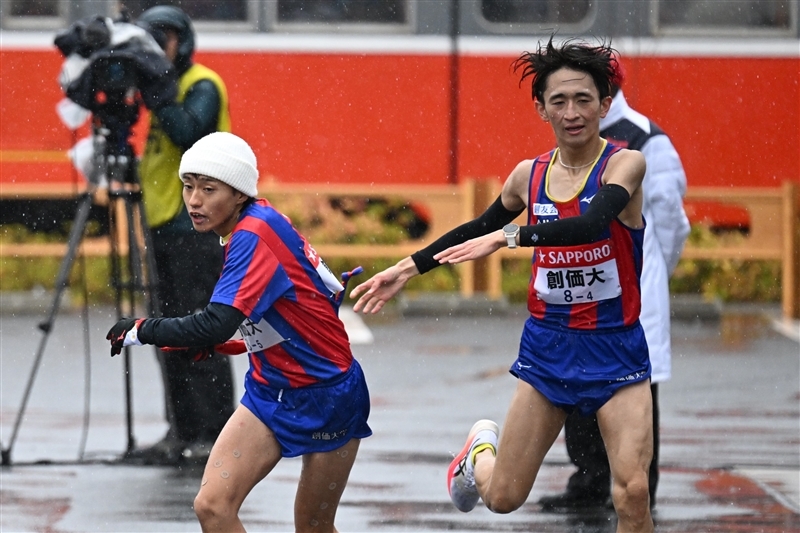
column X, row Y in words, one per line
column 325, row 435
column 632, row 377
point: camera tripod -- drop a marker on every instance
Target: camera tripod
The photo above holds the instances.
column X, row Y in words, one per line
column 133, row 271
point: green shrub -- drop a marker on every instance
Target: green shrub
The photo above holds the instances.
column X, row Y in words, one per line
column 726, row 279
column 387, row 223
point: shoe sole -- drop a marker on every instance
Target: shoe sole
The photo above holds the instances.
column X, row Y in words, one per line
column 477, row 427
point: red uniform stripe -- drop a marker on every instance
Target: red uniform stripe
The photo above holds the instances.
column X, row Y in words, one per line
column 257, row 375
column 323, row 345
column 323, row 318
column 628, row 277
column 536, row 307
column 279, row 359
column 264, row 264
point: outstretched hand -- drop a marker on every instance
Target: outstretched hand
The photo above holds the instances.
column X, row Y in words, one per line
column 379, row 289
column 473, row 248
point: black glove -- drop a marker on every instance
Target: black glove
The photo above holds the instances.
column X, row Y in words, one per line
column 158, row 90
column 124, row 333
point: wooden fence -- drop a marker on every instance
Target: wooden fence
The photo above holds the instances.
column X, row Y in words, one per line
column 772, row 235
column 772, row 229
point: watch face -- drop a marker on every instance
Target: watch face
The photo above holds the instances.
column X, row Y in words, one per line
column 510, row 228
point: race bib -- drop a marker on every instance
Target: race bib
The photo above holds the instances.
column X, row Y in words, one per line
column 259, row 337
column 577, row 274
column 328, row 278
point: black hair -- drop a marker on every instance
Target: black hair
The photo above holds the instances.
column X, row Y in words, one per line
column 599, row 62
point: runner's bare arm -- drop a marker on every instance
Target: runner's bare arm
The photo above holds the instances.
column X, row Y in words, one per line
column 620, row 197
column 382, row 287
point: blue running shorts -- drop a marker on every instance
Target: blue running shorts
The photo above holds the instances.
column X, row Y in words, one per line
column 581, row 369
column 315, row 418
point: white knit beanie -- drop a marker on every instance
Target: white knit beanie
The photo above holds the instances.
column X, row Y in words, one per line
column 225, row 157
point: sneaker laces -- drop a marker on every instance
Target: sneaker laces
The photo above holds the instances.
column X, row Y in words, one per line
column 465, row 470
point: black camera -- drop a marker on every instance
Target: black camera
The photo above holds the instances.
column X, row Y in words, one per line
column 84, row 37
column 119, row 77
column 115, row 100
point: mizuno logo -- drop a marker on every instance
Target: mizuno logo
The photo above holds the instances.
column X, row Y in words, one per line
column 520, row 365
column 588, row 200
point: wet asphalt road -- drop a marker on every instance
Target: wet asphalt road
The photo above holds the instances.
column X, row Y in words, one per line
column 730, row 432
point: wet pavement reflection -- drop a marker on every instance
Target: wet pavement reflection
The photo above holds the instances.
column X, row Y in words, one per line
column 730, row 417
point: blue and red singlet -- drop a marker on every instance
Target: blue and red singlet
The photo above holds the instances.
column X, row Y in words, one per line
column 273, row 276
column 591, row 286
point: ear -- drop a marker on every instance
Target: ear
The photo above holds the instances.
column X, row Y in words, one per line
column 605, row 105
column 540, row 109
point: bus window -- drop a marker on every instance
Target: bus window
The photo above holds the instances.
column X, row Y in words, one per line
column 322, row 11
column 34, row 8
column 535, row 11
column 752, row 14
column 198, row 10
column 34, row 14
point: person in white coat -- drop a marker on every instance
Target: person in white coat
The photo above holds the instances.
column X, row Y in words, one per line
column 667, row 229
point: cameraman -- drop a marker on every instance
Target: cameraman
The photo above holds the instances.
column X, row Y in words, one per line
column 199, row 395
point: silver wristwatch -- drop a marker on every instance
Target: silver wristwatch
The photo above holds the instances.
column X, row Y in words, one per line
column 510, row 231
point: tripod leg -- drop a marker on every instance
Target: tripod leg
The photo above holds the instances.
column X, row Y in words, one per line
column 141, row 267
column 142, row 257
column 75, row 237
column 134, row 270
column 142, row 278
column 151, row 277
column 123, row 282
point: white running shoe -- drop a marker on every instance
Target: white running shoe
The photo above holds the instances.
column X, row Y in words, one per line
column 461, row 473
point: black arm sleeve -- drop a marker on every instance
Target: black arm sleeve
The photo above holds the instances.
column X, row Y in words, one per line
column 606, row 205
column 494, row 218
column 186, row 123
column 215, row 324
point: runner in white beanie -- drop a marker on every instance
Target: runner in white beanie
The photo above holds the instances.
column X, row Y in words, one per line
column 305, row 395
column 225, row 157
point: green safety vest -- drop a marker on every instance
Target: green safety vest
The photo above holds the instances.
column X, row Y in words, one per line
column 158, row 169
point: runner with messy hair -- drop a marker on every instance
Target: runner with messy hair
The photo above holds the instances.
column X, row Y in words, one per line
column 600, row 62
column 582, row 349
